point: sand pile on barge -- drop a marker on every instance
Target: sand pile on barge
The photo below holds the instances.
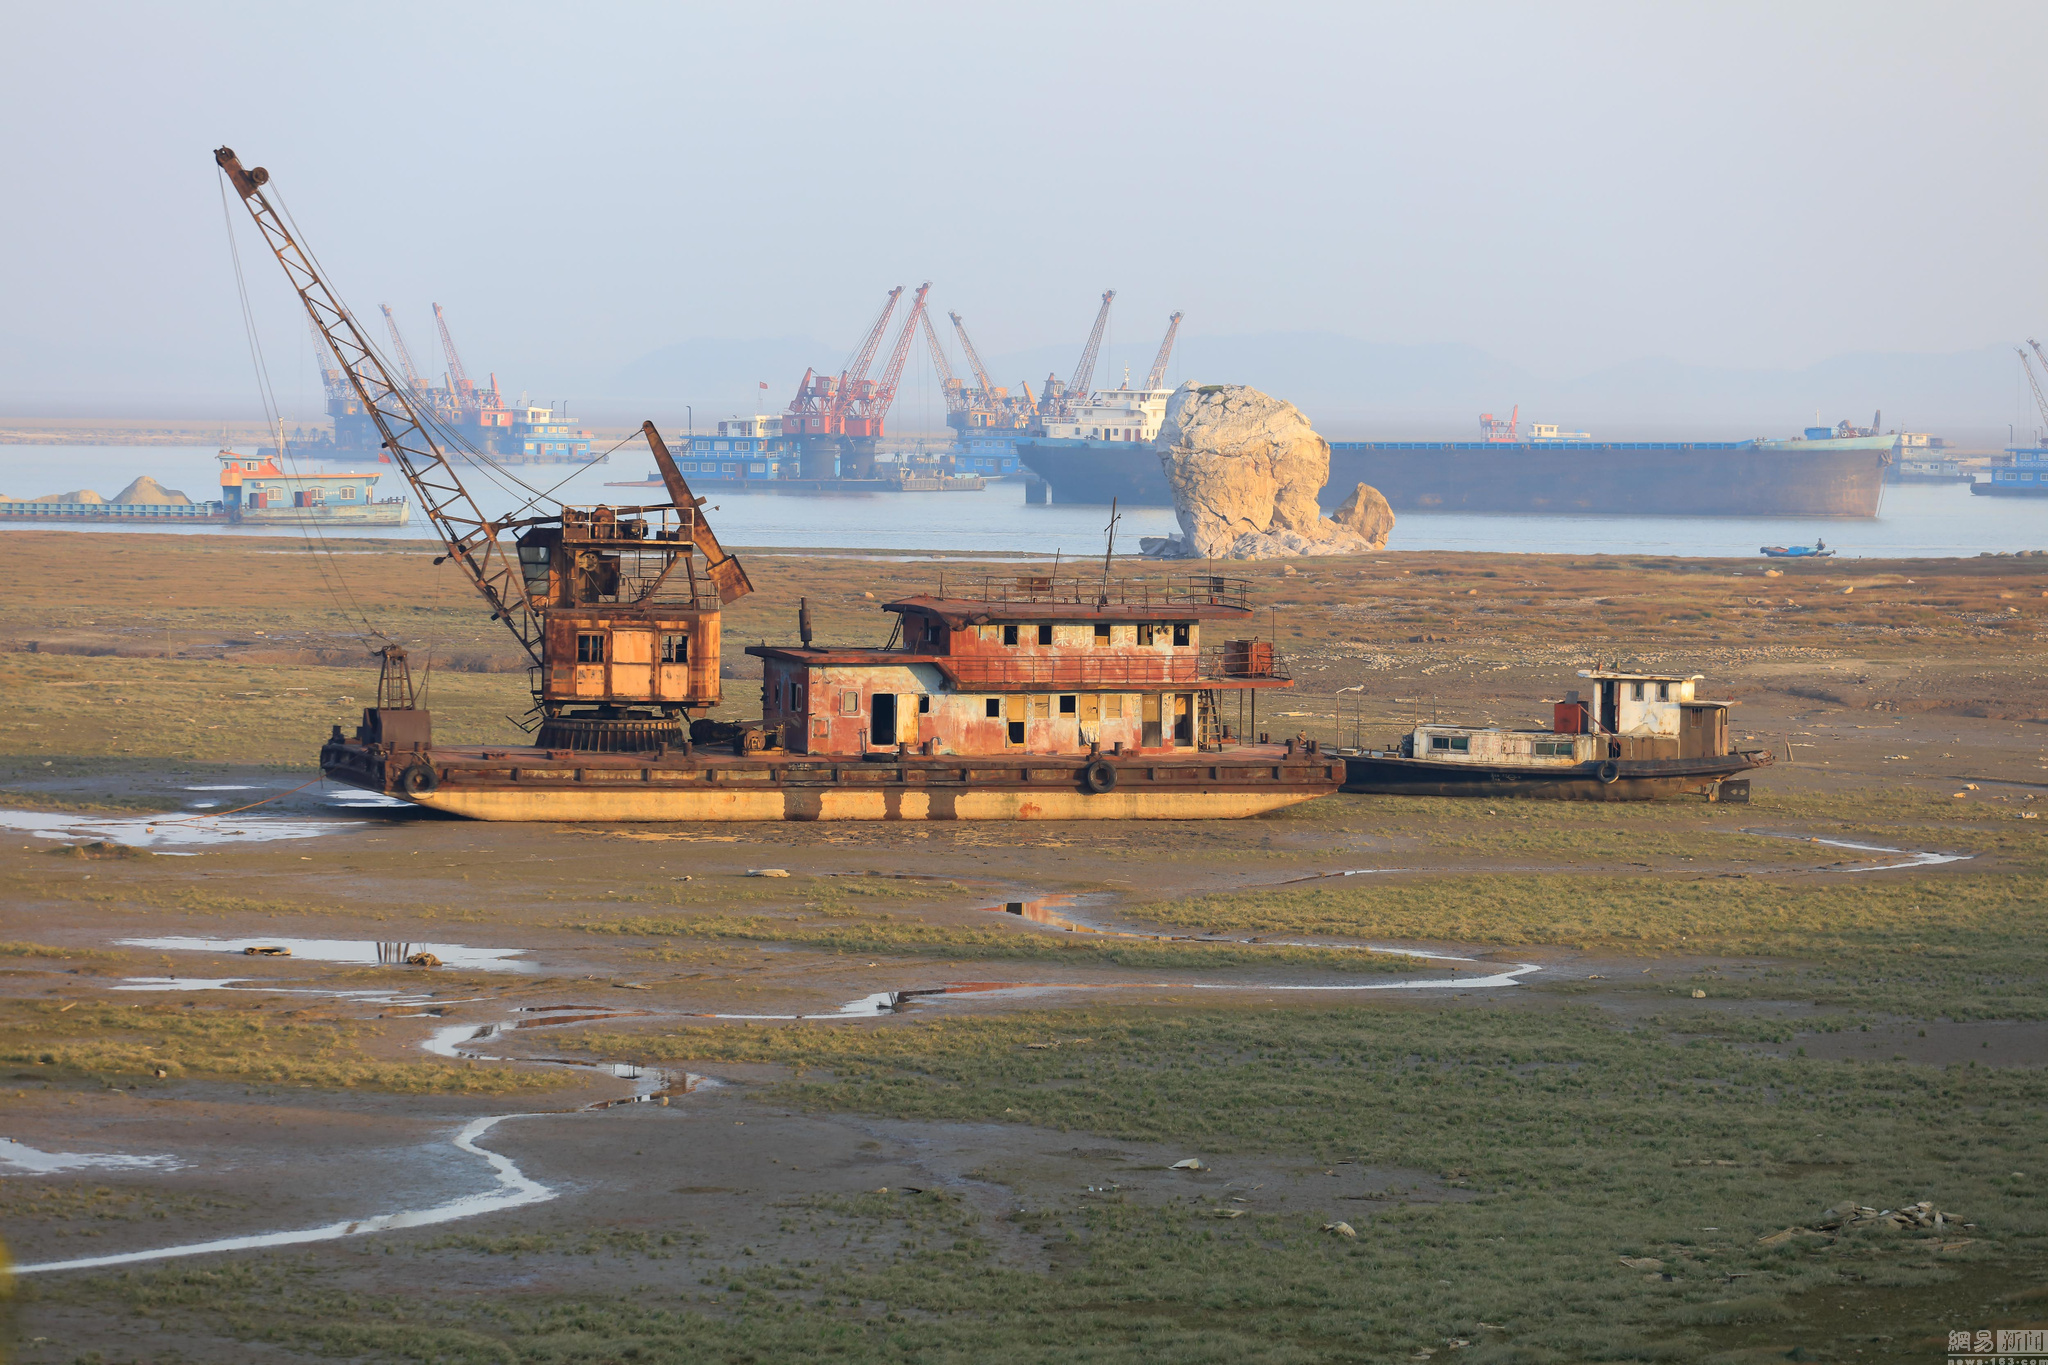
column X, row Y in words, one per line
column 1245, row 469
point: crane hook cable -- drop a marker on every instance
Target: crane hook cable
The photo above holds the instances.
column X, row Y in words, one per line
column 325, row 561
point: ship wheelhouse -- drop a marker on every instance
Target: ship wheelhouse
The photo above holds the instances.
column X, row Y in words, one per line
column 1031, row 665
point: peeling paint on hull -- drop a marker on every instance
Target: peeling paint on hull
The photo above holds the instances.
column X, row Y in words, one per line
column 480, row 783
column 886, row 804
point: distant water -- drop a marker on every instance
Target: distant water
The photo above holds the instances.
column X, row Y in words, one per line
column 1915, row 520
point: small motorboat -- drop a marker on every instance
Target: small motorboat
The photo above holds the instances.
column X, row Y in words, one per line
column 1818, row 550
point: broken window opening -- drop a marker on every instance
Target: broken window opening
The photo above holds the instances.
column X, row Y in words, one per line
column 924, row 704
column 1145, row 634
column 675, row 649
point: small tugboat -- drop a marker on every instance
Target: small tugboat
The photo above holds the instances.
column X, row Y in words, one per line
column 1639, row 736
column 1818, row 550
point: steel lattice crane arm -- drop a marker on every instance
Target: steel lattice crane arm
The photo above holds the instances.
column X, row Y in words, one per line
column 988, row 390
column 399, row 348
column 885, row 392
column 1158, row 375
column 857, row 370
column 471, row 537
column 1080, row 386
column 331, row 379
column 949, row 383
column 2040, row 399
column 458, row 379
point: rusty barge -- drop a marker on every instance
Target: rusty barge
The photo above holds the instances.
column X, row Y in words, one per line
column 1018, row 698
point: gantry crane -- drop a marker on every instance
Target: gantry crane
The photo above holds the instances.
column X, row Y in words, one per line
column 2034, row 383
column 820, row 401
column 1158, row 375
column 458, row 381
column 609, row 604
column 865, row 402
column 950, row 384
column 404, row 354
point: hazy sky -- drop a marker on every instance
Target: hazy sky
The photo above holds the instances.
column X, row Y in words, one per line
column 1567, row 186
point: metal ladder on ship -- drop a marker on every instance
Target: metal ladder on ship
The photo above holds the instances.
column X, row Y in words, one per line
column 1208, row 729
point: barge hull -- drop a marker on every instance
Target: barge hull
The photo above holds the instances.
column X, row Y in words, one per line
column 538, row 784
column 1637, row 779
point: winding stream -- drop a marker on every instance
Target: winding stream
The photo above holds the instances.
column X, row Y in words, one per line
column 514, row 1190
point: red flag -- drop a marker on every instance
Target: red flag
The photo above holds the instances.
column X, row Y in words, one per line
column 764, row 383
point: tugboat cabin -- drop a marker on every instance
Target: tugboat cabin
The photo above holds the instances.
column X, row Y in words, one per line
column 1651, row 715
column 1028, row 665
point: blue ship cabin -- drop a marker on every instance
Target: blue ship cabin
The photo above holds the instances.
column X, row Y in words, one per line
column 741, row 448
column 2021, row 465
column 546, row 436
column 256, row 481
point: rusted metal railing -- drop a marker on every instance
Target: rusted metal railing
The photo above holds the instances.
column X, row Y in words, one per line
column 1180, row 590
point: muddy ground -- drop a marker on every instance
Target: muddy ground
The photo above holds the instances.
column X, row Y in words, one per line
column 862, row 1110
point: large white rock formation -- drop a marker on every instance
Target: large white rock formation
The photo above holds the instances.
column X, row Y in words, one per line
column 1245, row 469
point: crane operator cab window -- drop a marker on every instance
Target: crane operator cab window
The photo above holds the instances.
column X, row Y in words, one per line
column 590, row 649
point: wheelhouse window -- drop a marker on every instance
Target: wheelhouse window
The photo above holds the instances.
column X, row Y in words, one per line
column 1180, row 635
column 590, row 649
column 1009, row 635
column 1045, row 633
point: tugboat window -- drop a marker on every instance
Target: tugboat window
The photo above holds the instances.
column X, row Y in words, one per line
column 1145, row 634
column 1663, row 691
column 1045, row 633
column 995, row 707
column 590, row 649
column 1066, row 706
column 1636, row 691
column 1009, row 635
column 1101, row 634
column 1180, row 635
column 1454, row 743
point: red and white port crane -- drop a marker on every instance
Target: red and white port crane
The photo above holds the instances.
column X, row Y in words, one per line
column 1158, row 374
column 867, row 401
column 1500, row 432
column 819, row 407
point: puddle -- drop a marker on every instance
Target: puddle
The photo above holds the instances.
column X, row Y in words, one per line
column 514, row 1190
column 1510, row 977
column 169, row 832
column 1912, row 857
column 660, row 1083
column 28, row 1159
column 356, row 952
column 243, row 983
column 867, row 1007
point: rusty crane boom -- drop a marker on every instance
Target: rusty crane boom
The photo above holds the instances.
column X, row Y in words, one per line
column 620, row 623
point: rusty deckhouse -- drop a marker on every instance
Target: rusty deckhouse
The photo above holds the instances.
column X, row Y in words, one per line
column 1029, row 665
